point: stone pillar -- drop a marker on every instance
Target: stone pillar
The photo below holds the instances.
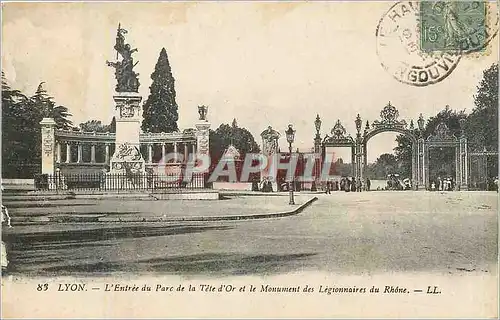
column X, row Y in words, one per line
column 106, row 155
column 150, row 153
column 68, row 152
column 48, row 145
column 353, row 160
column 425, row 170
column 80, row 149
column 58, row 148
column 193, row 147
column 92, row 153
column 464, row 168
column 185, row 151
column 317, row 158
column 163, row 151
column 420, row 163
column 175, row 151
column 202, row 138
column 128, row 127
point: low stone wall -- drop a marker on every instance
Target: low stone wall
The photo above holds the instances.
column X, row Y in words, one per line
column 18, row 182
column 243, row 186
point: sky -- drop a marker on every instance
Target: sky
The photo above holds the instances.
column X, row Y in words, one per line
column 263, row 63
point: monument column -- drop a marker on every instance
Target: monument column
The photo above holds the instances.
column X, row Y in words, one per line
column 127, row 157
column 150, row 153
column 202, row 132
column 92, row 153
column 58, row 148
column 68, row 152
column 106, row 155
column 80, row 149
column 48, row 143
column 175, row 151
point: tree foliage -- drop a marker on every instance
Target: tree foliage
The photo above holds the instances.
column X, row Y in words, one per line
column 160, row 109
column 482, row 123
column 227, row 134
column 21, row 130
column 98, row 126
column 386, row 164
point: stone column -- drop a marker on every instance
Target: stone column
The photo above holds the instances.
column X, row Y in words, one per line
column 80, row 149
column 420, row 163
column 464, row 170
column 185, row 151
column 163, row 151
column 127, row 137
column 175, row 151
column 106, row 156
column 48, row 145
column 353, row 160
column 150, row 153
column 58, row 148
column 92, row 153
column 202, row 138
column 68, row 152
column 193, row 147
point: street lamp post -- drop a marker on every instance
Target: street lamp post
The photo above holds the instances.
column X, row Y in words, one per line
column 290, row 136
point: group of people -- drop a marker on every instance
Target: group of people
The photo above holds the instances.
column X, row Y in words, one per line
column 445, row 184
column 348, row 184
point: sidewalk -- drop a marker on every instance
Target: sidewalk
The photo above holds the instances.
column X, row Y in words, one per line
column 91, row 211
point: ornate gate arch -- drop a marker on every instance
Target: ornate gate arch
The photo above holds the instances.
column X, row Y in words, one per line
column 442, row 137
column 388, row 122
column 339, row 138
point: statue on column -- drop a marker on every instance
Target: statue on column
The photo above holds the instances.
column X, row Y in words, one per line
column 127, row 79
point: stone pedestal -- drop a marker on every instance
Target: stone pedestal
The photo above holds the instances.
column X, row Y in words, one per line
column 48, row 145
column 127, row 158
column 202, row 138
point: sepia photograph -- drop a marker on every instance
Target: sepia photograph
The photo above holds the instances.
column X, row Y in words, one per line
column 209, row 159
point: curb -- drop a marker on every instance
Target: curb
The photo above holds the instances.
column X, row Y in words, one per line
column 94, row 218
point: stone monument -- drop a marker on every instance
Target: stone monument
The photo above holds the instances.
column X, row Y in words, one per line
column 270, row 148
column 202, row 132
column 48, row 145
column 127, row 157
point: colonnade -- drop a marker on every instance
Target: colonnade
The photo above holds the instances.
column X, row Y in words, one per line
column 188, row 147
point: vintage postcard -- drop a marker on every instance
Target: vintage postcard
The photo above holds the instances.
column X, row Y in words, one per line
column 316, row 159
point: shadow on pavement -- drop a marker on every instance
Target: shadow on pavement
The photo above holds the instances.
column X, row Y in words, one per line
column 211, row 264
column 45, row 204
column 78, row 238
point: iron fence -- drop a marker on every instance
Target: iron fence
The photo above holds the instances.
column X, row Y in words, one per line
column 118, row 182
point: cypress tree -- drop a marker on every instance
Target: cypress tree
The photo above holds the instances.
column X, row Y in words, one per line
column 160, row 109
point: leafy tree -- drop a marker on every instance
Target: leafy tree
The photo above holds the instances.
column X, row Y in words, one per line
column 386, row 164
column 93, row 126
column 21, row 131
column 226, row 134
column 482, row 123
column 44, row 106
column 403, row 152
column 18, row 134
column 160, row 109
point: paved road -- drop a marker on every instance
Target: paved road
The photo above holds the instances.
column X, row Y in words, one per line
column 348, row 233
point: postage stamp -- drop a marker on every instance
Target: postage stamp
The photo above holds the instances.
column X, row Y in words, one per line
column 453, row 26
column 398, row 37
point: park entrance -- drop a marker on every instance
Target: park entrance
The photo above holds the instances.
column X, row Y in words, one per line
column 422, row 148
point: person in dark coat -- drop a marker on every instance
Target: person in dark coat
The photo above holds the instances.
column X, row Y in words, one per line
column 347, row 186
column 353, row 184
